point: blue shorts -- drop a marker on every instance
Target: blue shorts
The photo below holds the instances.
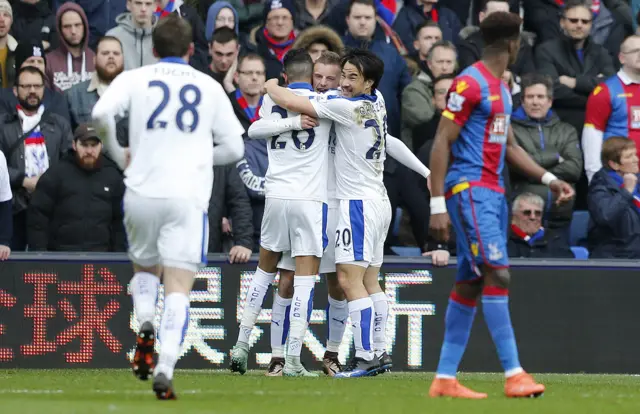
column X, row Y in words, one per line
column 480, row 217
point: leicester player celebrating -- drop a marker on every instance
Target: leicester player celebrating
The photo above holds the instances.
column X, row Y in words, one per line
column 475, row 134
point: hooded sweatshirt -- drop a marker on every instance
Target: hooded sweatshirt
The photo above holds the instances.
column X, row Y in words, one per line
column 212, row 15
column 137, row 46
column 63, row 69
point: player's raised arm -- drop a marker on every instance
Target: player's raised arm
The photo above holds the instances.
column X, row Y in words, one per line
column 401, row 153
column 288, row 100
column 518, row 157
column 274, row 125
column 595, row 123
column 114, row 102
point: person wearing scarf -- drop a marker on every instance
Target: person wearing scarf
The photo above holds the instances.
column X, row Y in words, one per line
column 614, row 202
column 277, row 35
column 527, row 236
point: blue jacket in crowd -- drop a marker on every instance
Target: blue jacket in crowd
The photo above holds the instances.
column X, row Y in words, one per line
column 615, row 220
column 411, row 16
column 252, row 169
column 396, row 76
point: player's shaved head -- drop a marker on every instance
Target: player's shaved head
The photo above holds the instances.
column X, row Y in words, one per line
column 172, row 37
column 500, row 28
column 369, row 65
column 298, row 66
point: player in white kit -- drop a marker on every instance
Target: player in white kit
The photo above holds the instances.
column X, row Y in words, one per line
column 294, row 218
column 364, row 210
column 176, row 115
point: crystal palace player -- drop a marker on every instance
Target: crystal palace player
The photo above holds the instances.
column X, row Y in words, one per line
column 613, row 109
column 475, row 134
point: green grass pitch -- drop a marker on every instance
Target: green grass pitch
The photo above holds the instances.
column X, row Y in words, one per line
column 117, row 391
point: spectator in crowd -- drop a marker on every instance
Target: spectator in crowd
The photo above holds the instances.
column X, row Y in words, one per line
column 462, row 8
column 575, row 62
column 440, row 86
column 6, row 214
column 248, row 12
column 34, row 22
column 72, row 62
column 221, row 14
column 246, row 101
column 470, row 47
column 229, row 199
column 385, row 14
column 612, row 23
column 101, row 15
column 32, row 140
column 611, row 111
column 82, row 97
column 199, row 60
column 224, row 51
column 361, row 25
column 528, row 238
column 276, row 37
column 553, row 144
column 418, row 106
column 542, row 17
column 313, row 12
column 427, row 34
column 415, row 12
column 134, row 33
column 31, row 53
column 8, row 45
column 317, row 39
column 614, row 202
column 83, row 191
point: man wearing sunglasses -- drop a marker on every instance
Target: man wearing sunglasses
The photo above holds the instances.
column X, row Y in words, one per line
column 575, row 62
column 528, row 237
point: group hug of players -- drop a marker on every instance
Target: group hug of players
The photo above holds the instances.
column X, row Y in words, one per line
column 325, row 172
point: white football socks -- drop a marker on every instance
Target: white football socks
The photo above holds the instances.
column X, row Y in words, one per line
column 381, row 309
column 279, row 325
column 337, row 315
column 301, row 307
column 253, row 303
column 361, row 312
column 173, row 329
column 144, row 292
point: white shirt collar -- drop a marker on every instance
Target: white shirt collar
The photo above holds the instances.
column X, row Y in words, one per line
column 625, row 78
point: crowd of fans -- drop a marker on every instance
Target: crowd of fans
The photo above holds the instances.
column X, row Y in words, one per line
column 57, row 58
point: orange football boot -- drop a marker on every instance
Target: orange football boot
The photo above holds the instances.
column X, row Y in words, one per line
column 445, row 387
column 522, row 385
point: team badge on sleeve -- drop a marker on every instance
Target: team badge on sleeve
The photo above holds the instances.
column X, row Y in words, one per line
column 455, row 102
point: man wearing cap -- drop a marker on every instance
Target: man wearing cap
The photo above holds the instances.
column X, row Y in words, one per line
column 83, row 191
column 32, row 53
column 8, row 45
column 276, row 37
column 32, row 140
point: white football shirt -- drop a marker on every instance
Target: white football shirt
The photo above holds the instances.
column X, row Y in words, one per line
column 361, row 127
column 298, row 160
column 5, row 183
column 176, row 114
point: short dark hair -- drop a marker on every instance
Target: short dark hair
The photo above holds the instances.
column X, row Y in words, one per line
column 572, row 4
column 531, row 79
column 251, row 56
column 329, row 58
column 224, row 35
column 426, row 23
column 445, row 44
column 298, row 65
column 370, row 66
column 172, row 36
column 445, row 76
column 365, row 2
column 612, row 149
column 108, row 39
column 499, row 28
column 486, row 3
column 29, row 69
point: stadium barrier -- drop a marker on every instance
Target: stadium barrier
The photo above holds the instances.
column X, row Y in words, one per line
column 63, row 311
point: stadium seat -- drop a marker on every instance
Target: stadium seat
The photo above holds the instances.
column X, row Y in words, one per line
column 396, row 222
column 406, row 251
column 579, row 228
column 580, row 253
